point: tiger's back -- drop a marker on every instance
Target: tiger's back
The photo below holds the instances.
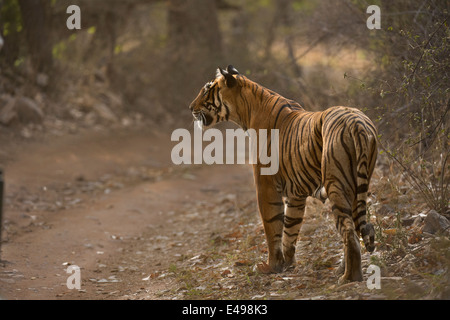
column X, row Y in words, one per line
column 340, row 131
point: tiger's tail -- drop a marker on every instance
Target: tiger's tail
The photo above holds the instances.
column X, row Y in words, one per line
column 365, row 144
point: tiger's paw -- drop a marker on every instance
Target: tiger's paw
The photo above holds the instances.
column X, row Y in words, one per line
column 342, row 280
column 289, row 264
column 368, row 234
column 347, row 279
column 265, row 268
column 351, row 276
column 340, row 269
column 346, row 276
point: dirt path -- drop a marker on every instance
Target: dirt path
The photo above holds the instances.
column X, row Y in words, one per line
column 87, row 201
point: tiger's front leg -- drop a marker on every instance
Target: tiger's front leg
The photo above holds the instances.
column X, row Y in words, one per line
column 293, row 218
column 271, row 209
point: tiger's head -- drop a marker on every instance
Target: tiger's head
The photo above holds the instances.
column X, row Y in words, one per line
column 216, row 101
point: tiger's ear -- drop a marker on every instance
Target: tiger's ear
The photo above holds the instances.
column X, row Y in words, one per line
column 219, row 71
column 229, row 79
column 232, row 70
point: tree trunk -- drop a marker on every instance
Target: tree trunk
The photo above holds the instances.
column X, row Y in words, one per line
column 283, row 17
column 194, row 31
column 37, row 35
column 194, row 47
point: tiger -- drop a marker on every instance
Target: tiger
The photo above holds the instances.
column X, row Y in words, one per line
column 328, row 154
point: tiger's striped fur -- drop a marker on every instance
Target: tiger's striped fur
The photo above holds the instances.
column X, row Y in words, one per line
column 328, row 154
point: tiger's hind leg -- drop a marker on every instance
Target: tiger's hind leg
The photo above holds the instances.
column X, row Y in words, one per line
column 364, row 228
column 342, row 212
column 339, row 176
column 293, row 218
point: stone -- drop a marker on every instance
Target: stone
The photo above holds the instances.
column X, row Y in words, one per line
column 385, row 210
column 104, row 112
column 7, row 112
column 436, row 223
column 28, row 110
column 408, row 221
column 42, row 79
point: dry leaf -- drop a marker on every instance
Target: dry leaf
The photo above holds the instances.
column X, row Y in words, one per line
column 243, row 262
column 392, row 231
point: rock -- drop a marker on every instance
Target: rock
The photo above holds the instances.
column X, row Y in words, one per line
column 408, row 221
column 418, row 221
column 42, row 80
column 28, row 110
column 23, row 109
column 26, row 133
column 104, row 112
column 7, row 112
column 414, row 220
column 385, row 210
column 436, row 223
column 111, row 99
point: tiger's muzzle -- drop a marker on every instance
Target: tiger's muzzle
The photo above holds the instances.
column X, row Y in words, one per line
column 204, row 117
